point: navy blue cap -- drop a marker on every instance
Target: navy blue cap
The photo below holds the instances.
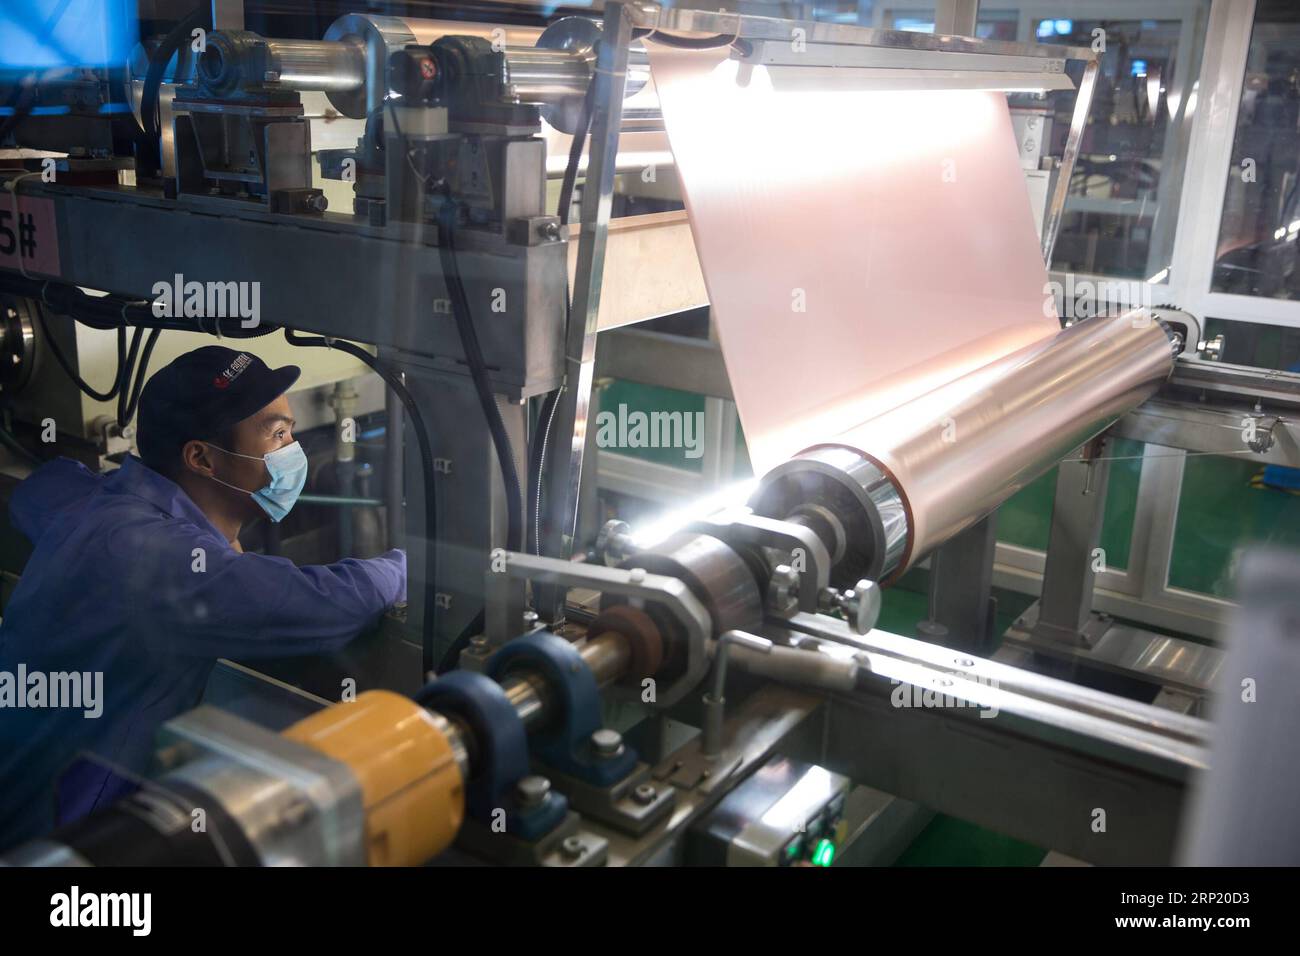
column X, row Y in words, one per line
column 202, row 393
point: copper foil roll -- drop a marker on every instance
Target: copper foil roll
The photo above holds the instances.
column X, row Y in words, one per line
column 959, row 451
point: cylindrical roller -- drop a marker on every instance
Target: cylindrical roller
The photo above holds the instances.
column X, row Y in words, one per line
column 412, row 788
column 721, row 579
column 910, row 479
column 236, row 59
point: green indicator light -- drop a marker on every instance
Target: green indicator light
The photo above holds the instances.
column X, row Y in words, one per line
column 824, row 854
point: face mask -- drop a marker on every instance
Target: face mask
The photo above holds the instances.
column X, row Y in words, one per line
column 287, row 467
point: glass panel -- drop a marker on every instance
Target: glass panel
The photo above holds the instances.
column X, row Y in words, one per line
column 1228, row 505
column 1123, row 203
column 1259, row 235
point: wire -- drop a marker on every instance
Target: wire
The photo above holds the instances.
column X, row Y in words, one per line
column 128, row 398
column 57, row 352
column 393, row 380
column 469, row 342
column 162, row 55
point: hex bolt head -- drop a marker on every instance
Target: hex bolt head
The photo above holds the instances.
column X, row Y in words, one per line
column 573, row 847
column 532, row 791
column 645, row 794
column 607, row 743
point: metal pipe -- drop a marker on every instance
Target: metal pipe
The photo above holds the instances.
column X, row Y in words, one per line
column 315, row 65
column 544, row 76
column 606, row 656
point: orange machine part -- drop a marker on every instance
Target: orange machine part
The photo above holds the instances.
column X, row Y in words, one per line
column 411, row 785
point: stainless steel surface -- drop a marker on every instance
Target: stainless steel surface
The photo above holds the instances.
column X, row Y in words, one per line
column 263, row 779
column 865, row 501
column 686, row 20
column 527, row 694
column 715, row 573
column 544, row 76
column 316, row 65
column 1065, row 172
column 580, row 351
column 1130, row 732
column 1130, row 651
column 1273, row 386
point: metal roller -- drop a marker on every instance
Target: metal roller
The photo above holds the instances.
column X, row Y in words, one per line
column 906, row 481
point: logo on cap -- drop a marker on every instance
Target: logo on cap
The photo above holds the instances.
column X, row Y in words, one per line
column 236, row 368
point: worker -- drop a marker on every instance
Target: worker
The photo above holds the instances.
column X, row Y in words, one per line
column 138, row 583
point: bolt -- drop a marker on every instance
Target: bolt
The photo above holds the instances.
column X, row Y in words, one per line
column 550, row 230
column 530, row 620
column 783, row 591
column 573, row 847
column 318, row 203
column 645, row 794
column 636, row 575
column 607, row 743
column 964, row 662
column 532, row 791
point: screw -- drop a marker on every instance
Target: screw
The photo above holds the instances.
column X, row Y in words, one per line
column 532, row 791
column 573, row 847
column 607, row 743
column 645, row 794
column 964, row 662
column 530, row 620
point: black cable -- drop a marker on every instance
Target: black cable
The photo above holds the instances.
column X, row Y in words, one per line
column 569, row 183
column 394, row 382
column 129, row 398
column 67, row 366
column 125, row 375
column 460, row 311
column 200, row 17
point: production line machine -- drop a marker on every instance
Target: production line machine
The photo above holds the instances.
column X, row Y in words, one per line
column 718, row 695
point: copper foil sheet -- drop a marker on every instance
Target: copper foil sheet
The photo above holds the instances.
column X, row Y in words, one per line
column 876, row 277
column 860, row 246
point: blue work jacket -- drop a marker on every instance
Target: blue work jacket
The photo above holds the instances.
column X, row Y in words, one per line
column 130, row 580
